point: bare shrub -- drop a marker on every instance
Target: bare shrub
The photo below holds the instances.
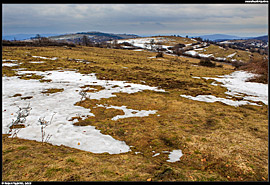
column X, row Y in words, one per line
column 257, row 66
column 19, row 123
column 179, row 52
column 151, row 43
column 160, row 54
column 83, row 94
column 220, row 65
column 237, row 64
column 207, row 62
column 44, row 124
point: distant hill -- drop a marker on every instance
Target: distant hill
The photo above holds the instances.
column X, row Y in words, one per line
column 116, row 36
column 224, row 37
column 218, row 37
column 93, row 36
column 24, row 36
column 262, row 38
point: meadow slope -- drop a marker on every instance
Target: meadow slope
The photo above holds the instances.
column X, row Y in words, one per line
column 219, row 142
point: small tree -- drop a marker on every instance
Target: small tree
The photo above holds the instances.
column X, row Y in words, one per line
column 159, row 49
column 152, row 42
column 114, row 43
column 85, row 41
column 37, row 36
column 178, row 49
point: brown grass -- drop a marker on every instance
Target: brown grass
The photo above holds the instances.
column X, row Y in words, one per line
column 259, row 67
column 219, row 142
column 52, row 90
column 221, row 52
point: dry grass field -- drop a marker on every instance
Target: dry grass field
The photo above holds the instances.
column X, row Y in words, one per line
column 239, row 55
column 219, row 142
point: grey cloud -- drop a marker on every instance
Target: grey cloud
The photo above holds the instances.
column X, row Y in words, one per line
column 135, row 18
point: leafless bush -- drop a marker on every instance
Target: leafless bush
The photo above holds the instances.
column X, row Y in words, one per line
column 207, row 62
column 17, row 124
column 159, row 54
column 44, row 124
column 237, row 64
column 257, row 66
column 83, row 94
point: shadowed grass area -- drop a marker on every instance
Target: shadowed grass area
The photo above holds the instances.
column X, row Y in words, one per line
column 219, row 142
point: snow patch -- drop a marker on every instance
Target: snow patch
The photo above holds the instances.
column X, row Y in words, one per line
column 231, row 55
column 174, row 156
column 62, row 105
column 129, row 112
column 36, row 62
column 211, row 99
column 9, row 64
column 9, row 60
column 194, row 53
column 141, row 42
column 236, row 84
column 155, row 154
column 45, row 58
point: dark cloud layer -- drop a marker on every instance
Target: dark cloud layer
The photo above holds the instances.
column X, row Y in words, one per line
column 142, row 19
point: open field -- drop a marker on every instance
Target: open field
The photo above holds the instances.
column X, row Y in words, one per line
column 219, row 142
column 235, row 54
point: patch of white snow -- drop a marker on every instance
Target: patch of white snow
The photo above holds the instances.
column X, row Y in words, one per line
column 236, row 84
column 9, row 64
column 62, row 104
column 174, row 156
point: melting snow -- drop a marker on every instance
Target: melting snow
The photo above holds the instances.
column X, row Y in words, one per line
column 54, row 58
column 155, row 154
column 9, row 64
column 231, row 55
column 236, row 84
column 211, row 99
column 36, row 62
column 9, row 60
column 220, row 58
column 175, row 156
column 129, row 112
column 62, row 105
column 140, row 42
column 194, row 53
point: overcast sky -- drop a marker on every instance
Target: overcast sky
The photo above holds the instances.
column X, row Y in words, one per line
column 141, row 19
